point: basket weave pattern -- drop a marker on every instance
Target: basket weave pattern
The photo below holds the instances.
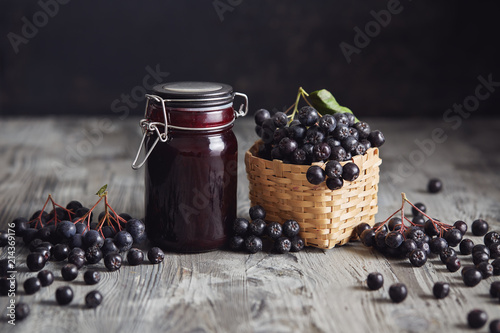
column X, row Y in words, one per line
column 326, row 218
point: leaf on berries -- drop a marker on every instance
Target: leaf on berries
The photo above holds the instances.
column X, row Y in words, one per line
column 323, row 101
column 102, row 190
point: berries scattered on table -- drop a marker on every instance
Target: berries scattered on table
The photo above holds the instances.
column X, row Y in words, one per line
column 441, row 289
column 92, row 277
column 156, row 255
column 32, row 285
column 69, row 272
column 22, row 311
column 46, row 278
column 135, row 257
column 113, row 261
column 479, row 227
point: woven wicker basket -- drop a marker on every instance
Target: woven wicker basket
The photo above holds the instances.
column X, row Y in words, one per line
column 326, row 218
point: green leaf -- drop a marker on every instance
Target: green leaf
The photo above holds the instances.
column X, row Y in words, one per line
column 323, row 101
column 102, row 190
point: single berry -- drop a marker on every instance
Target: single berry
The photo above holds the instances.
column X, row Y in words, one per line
column 367, row 237
column 375, row 281
column 361, row 227
column 123, row 240
column 237, row 243
column 92, row 277
column 453, row 264
column 46, row 278
column 394, row 223
column 496, row 266
column 434, row 185
column 477, row 318
column 93, row 255
column 486, row 269
column 471, row 277
column 297, row 244
column 479, row 227
column 113, row 261
column 394, row 239
column 109, row 246
column 418, row 257
column 66, row 229
column 257, row 227
column 447, row 253
column 494, row 250
column 461, row 225
column 290, row 228
column 495, row 326
column 280, row 119
column 22, row 311
column 495, row 289
column 135, row 256
column 274, row 230
column 376, row 138
column 60, row 252
column 466, row 246
column 481, row 248
column 155, row 255
column 76, row 260
column 421, row 209
column 398, row 292
column 136, row 229
column 453, row 237
column 240, row 226
column 327, row 123
column 35, row 261
column 437, row 245
column 283, row 245
column 64, row 295
column 93, row 238
column 93, row 299
column 491, row 238
column 315, row 175
column 407, row 247
column 350, row 172
column 479, row 257
column 32, row 285
column 308, row 116
column 253, row 244
column 441, row 289
column 69, row 272
column 261, row 115
column 257, row 212
column 334, row 183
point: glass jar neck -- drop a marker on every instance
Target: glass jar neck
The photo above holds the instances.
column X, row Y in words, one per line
column 192, row 118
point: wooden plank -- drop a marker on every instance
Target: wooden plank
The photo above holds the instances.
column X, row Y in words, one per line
column 221, row 291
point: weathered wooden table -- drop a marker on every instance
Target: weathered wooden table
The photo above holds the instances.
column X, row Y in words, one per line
column 221, row 291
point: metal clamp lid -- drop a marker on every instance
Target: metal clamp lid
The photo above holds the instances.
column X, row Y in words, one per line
column 149, row 127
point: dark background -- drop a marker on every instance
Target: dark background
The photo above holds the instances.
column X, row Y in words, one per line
column 91, row 52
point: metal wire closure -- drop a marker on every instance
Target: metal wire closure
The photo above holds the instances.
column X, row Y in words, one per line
column 149, row 127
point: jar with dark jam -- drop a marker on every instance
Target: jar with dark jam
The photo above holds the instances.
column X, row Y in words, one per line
column 191, row 165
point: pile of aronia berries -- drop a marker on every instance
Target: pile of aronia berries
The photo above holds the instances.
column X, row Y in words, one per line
column 249, row 235
column 424, row 237
column 305, row 137
column 68, row 237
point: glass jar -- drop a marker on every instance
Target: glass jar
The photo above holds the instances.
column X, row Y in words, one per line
column 191, row 165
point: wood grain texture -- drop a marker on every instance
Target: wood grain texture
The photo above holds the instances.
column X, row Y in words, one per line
column 311, row 291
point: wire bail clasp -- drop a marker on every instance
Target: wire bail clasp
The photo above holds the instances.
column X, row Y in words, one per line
column 243, row 107
column 149, row 127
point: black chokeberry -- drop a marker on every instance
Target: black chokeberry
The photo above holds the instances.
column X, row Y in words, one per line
column 135, row 256
column 491, row 238
column 123, row 240
column 46, row 278
column 108, row 246
column 496, row 266
column 22, row 311
column 495, row 289
column 240, row 226
column 471, row 277
column 435, row 185
column 494, row 250
column 257, row 212
column 418, row 257
column 421, row 209
column 441, row 289
column 274, row 230
column 398, row 292
column 136, row 229
column 495, row 326
column 327, row 123
column 350, row 171
column 237, row 243
column 35, row 261
column 76, row 260
column 297, row 244
column 290, row 228
column 479, row 227
column 60, row 252
column 407, row 247
column 481, row 248
column 453, row 264
column 485, row 268
column 93, row 238
column 394, row 223
column 394, row 239
column 93, row 255
column 64, row 295
column 361, row 227
column 280, row 119
column 479, row 257
column 375, row 281
column 282, row 245
column 113, row 261
column 367, row 237
column 257, row 227
column 93, row 299
column 453, row 237
column 92, row 277
column 253, row 244
column 66, row 229
column 376, row 138
column 69, row 272
column 447, row 253
column 461, row 225
column 334, row 183
column 437, row 245
column 32, row 285
column 261, row 115
column 315, row 175
column 466, row 246
column 155, row 255
column 477, row 318
column 308, row 116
